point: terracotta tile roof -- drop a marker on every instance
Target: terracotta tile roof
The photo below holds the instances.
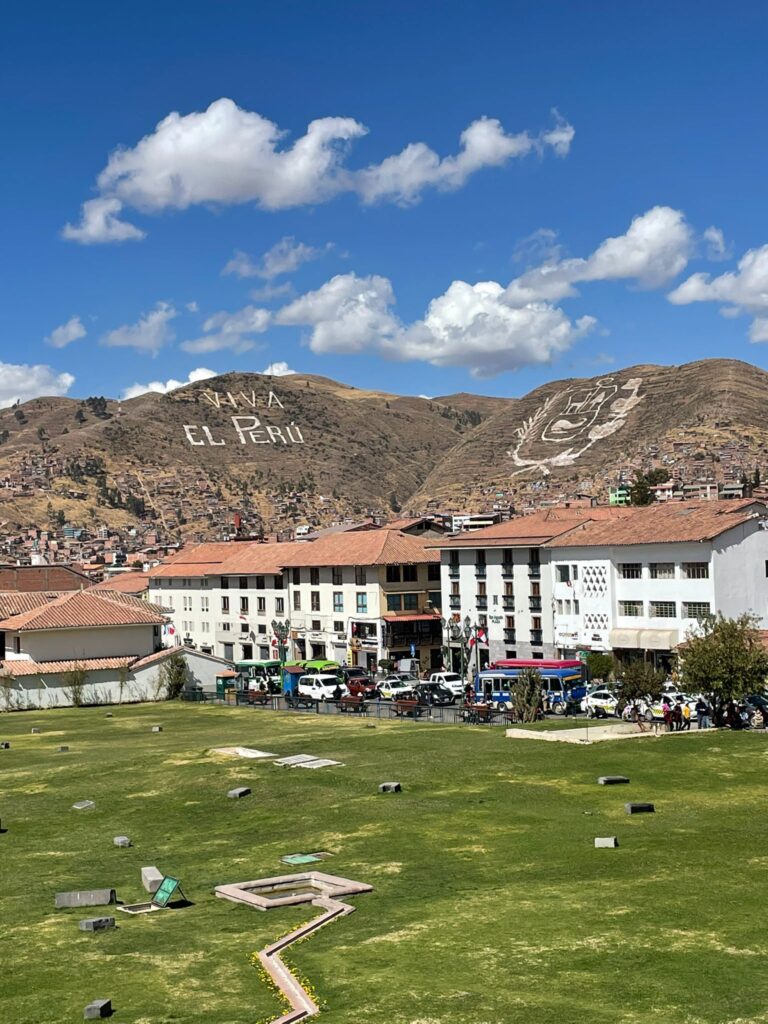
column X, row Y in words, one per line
column 26, row 667
column 126, row 583
column 368, row 547
column 15, row 603
column 533, row 530
column 83, row 609
column 151, row 659
column 230, row 558
column 259, row 558
column 671, row 523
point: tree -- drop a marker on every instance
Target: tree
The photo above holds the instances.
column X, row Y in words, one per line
column 724, row 658
column 600, row 666
column 640, row 680
column 526, row 694
column 756, row 477
column 174, row 675
column 640, row 492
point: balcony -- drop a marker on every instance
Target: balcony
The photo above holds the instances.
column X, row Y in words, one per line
column 534, row 603
column 481, row 602
column 509, row 636
column 537, row 636
column 507, row 569
column 454, row 602
column 534, row 570
column 453, row 571
column 508, row 603
column 480, row 569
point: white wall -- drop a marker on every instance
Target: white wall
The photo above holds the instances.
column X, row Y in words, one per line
column 99, row 642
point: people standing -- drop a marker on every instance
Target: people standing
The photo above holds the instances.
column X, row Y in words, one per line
column 702, row 714
column 666, row 712
column 677, row 716
column 686, row 718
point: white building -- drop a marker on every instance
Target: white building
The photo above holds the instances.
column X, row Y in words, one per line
column 637, row 585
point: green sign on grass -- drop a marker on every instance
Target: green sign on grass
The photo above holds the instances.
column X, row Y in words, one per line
column 165, row 890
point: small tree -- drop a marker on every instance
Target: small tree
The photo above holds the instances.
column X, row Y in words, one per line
column 174, row 675
column 600, row 666
column 74, row 685
column 640, row 680
column 725, row 658
column 526, row 694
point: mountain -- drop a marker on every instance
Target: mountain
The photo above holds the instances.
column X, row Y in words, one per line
column 308, row 449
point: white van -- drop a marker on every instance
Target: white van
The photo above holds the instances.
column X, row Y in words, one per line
column 321, row 687
column 451, row 680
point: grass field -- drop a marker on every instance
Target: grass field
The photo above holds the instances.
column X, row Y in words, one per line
column 490, row 904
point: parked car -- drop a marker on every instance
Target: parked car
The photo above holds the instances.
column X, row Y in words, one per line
column 358, row 681
column 600, row 700
column 451, row 680
column 653, row 709
column 322, row 687
column 435, row 694
column 393, row 687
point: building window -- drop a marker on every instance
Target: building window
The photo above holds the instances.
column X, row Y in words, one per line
column 316, row 627
column 482, row 590
column 243, row 605
column 297, row 601
column 338, row 626
column 433, row 572
column 262, row 628
column 338, row 601
column 663, row 609
column 260, row 585
column 205, row 627
column 574, row 572
column 535, row 590
column 695, row 609
column 411, row 602
column 296, row 577
column 187, row 603
column 538, row 656
column 634, row 609
column 630, row 570
column 279, row 606
column 510, row 654
column 362, row 604
column 314, row 600
column 243, row 582
column 279, row 582
column 336, row 576
column 563, row 573
column 393, row 574
column 247, row 650
column 536, row 622
column 661, row 570
column 410, row 573
column 229, row 650
column 244, row 627
column 225, row 627
column 509, row 622
column 225, row 604
column 204, row 602
column 575, row 607
column 314, row 577
column 394, row 602
column 435, row 598
column 360, row 580
column 695, row 570
column 261, row 605
column 224, row 582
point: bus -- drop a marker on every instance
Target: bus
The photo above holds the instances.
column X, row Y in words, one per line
column 562, row 681
column 256, row 672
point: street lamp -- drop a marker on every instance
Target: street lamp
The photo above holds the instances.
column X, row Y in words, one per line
column 281, row 631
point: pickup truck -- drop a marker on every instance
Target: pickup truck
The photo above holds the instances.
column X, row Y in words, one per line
column 450, row 680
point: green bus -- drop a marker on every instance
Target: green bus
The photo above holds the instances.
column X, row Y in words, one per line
column 256, row 672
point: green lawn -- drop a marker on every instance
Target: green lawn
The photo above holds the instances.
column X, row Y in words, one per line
column 490, row 904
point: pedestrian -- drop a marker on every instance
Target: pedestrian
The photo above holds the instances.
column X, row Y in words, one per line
column 677, row 717
column 666, row 713
column 337, row 692
column 686, row 718
column 702, row 714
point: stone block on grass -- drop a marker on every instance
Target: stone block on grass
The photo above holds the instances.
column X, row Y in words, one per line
column 639, row 808
column 63, row 750
column 606, row 842
column 5, row 745
column 83, row 805
column 96, row 924
column 612, row 780
column 157, row 728
column 85, row 898
column 238, row 793
column 33, row 730
column 98, row 1009
column 151, row 877
column 390, row 787
column 121, row 841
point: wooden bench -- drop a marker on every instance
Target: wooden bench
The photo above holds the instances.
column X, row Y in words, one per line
column 410, row 708
column 259, row 697
column 354, row 703
column 475, row 713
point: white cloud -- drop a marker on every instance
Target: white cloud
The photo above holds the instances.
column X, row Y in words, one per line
column 99, row 222
column 654, row 249
column 717, row 249
column 192, row 307
column 228, row 155
column 148, row 334
column 279, row 369
column 63, row 335
column 271, row 291
column 470, row 325
column 284, row 257
column 744, row 291
column 162, row 388
column 230, row 331
column 19, row 383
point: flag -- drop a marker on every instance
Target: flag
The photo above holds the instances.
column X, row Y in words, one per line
column 243, row 618
column 480, row 636
column 169, row 629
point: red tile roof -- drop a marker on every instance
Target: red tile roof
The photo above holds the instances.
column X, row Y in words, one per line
column 84, row 609
column 26, row 667
column 532, row 530
column 228, row 558
column 676, row 522
column 126, row 583
column 150, row 659
column 369, row 547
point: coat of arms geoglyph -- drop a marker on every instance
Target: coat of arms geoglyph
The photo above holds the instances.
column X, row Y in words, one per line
column 568, row 423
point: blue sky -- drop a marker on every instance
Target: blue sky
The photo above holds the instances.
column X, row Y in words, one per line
column 606, row 206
